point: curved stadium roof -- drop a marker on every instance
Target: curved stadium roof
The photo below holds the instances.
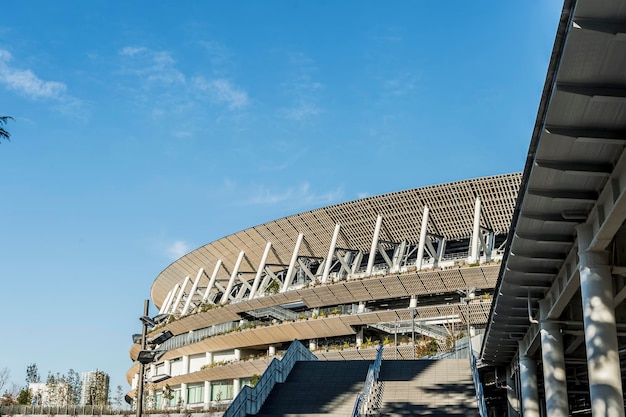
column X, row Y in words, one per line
column 451, row 212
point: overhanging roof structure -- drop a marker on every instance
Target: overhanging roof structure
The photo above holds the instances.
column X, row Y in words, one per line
column 573, row 173
column 451, row 208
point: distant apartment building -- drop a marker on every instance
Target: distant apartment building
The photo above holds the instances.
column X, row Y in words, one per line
column 46, row 394
column 95, row 388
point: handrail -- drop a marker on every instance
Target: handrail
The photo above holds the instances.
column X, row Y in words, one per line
column 249, row 400
column 480, row 395
column 367, row 396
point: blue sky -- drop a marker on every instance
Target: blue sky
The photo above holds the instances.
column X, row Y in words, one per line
column 146, row 129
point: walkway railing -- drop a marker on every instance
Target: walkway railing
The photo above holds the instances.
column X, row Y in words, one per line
column 480, row 395
column 249, row 400
column 369, row 397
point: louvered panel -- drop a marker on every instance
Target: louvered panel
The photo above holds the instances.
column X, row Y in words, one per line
column 475, row 278
column 394, row 287
column 414, row 284
column 453, row 279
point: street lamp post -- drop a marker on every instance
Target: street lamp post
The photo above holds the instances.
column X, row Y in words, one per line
column 146, row 356
column 142, row 366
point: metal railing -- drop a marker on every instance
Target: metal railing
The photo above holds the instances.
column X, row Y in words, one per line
column 369, row 397
column 71, row 410
column 480, row 395
column 249, row 400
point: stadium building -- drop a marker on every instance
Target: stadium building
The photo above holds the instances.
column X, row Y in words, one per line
column 534, row 263
column 341, row 279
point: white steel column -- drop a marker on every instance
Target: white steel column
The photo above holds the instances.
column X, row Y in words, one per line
column 475, row 249
column 605, row 382
column 194, row 287
column 422, row 241
column 171, row 300
column 530, row 395
column 180, row 294
column 372, row 255
column 259, row 272
column 553, row 358
column 331, row 252
column 292, row 264
column 231, row 281
column 212, row 281
column 165, row 301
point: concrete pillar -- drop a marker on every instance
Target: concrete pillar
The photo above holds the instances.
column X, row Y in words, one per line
column 167, row 367
column 372, row 255
column 207, row 394
column 185, row 364
column 183, row 394
column 236, row 386
column 530, row 395
column 361, row 308
column 359, row 338
column 313, row 344
column 271, row 351
column 237, row 354
column 553, row 358
column 511, row 395
column 209, row 358
column 605, row 382
column 413, row 301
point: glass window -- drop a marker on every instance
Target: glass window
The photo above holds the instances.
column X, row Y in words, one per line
column 222, row 390
column 175, row 397
column 195, row 394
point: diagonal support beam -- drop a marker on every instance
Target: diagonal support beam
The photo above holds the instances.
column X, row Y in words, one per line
column 205, row 298
column 231, row 281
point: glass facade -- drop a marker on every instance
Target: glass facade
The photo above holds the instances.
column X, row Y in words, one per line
column 222, row 390
column 195, row 394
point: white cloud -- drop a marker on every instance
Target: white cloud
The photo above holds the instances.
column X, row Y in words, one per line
column 222, row 91
column 154, row 66
column 301, row 111
column 178, row 249
column 132, row 50
column 299, row 196
column 302, row 90
column 26, row 82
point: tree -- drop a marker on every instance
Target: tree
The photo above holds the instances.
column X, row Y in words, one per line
column 73, row 387
column 98, row 389
column 5, row 375
column 4, row 134
column 32, row 374
column 24, row 397
column 119, row 397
